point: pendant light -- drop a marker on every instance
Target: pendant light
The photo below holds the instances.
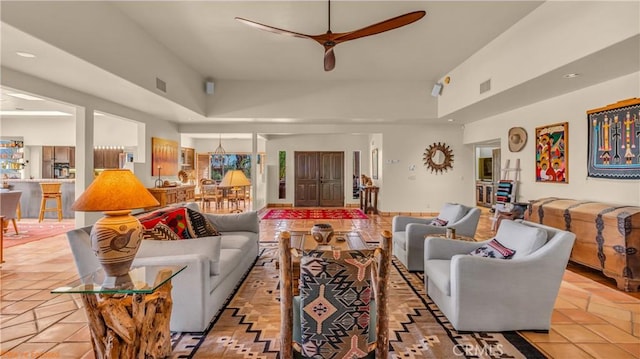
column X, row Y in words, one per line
column 219, row 153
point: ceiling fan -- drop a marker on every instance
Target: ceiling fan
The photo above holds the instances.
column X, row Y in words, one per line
column 329, row 39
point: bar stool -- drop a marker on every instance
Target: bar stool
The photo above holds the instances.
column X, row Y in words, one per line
column 50, row 191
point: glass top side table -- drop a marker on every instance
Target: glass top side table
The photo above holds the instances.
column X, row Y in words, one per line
column 144, row 280
column 131, row 321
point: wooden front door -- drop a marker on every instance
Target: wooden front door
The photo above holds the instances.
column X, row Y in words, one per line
column 319, row 179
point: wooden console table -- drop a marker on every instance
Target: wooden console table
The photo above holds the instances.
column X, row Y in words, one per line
column 171, row 195
column 128, row 322
column 367, row 194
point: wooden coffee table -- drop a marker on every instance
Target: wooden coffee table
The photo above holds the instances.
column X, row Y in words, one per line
column 458, row 237
column 303, row 240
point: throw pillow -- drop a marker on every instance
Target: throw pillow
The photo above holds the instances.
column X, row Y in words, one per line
column 173, row 217
column 493, row 249
column 160, row 232
column 439, row 222
column 200, row 225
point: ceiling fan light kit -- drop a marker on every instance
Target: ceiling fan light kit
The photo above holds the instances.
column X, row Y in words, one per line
column 329, row 39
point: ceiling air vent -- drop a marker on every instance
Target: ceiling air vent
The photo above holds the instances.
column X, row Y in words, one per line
column 485, row 86
column 161, row 85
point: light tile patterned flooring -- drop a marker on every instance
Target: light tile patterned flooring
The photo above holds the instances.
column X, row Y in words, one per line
column 591, row 318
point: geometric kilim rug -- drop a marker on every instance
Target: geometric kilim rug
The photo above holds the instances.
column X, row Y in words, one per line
column 315, row 214
column 249, row 324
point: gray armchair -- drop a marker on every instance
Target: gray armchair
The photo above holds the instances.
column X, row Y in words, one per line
column 491, row 295
column 409, row 232
column 9, row 201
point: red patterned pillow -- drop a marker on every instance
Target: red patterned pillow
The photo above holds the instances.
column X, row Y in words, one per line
column 173, row 217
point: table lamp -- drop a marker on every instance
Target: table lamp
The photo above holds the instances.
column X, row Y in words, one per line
column 235, row 179
column 116, row 237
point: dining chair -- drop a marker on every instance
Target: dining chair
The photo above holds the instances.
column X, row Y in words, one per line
column 341, row 311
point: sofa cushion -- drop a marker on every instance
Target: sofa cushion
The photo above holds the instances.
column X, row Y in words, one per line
column 236, row 241
column 439, row 222
column 493, row 249
column 439, row 272
column 521, row 238
column 452, row 212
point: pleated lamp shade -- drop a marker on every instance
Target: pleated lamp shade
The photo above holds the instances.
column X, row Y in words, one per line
column 114, row 190
column 235, row 178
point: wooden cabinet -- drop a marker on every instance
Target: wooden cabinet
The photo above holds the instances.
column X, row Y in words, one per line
column 61, row 154
column 47, row 161
column 106, row 158
column 484, row 193
column 187, row 158
column 72, row 157
column 171, row 195
column 56, row 154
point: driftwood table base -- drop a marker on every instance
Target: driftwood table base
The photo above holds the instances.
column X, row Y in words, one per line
column 131, row 326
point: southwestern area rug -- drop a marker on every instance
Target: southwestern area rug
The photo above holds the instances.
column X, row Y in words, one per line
column 249, row 325
column 337, row 213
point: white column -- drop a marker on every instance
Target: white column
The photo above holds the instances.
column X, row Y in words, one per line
column 84, row 160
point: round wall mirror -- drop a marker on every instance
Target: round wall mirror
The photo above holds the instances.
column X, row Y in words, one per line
column 438, row 157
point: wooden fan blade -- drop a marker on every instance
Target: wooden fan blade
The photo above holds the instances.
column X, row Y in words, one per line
column 380, row 27
column 272, row 29
column 329, row 59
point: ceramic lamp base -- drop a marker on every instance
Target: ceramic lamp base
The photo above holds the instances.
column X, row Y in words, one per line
column 115, row 239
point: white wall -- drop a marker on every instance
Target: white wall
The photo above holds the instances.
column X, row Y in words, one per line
column 570, row 108
column 553, row 35
column 320, row 142
column 39, row 131
column 420, row 190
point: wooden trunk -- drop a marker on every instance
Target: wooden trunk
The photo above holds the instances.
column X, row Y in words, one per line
column 607, row 235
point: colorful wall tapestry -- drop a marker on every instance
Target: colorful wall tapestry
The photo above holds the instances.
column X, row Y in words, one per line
column 614, row 141
column 552, row 150
column 164, row 157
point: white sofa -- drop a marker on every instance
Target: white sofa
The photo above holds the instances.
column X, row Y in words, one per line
column 409, row 232
column 215, row 265
column 493, row 295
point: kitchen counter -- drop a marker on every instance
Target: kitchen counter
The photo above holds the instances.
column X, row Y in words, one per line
column 32, row 196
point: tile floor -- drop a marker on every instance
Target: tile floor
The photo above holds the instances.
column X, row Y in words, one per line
column 591, row 318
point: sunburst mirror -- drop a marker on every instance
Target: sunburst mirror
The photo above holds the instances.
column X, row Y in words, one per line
column 438, row 157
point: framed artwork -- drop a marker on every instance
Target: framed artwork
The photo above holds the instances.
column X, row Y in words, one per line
column 374, row 163
column 614, row 141
column 164, row 157
column 552, row 150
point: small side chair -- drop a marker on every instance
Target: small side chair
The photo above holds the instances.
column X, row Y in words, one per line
column 341, row 311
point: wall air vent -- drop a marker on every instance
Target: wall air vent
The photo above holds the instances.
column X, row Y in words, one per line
column 161, row 85
column 485, row 86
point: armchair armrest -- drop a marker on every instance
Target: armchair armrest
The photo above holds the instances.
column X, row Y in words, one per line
column 197, row 270
column 528, row 279
column 245, row 221
column 399, row 223
column 442, row 248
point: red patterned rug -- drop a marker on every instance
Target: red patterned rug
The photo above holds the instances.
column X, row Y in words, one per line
column 337, row 213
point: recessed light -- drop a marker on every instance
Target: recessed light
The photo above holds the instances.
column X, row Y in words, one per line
column 28, row 55
column 450, row 120
column 32, row 113
column 24, row 96
column 570, row 76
